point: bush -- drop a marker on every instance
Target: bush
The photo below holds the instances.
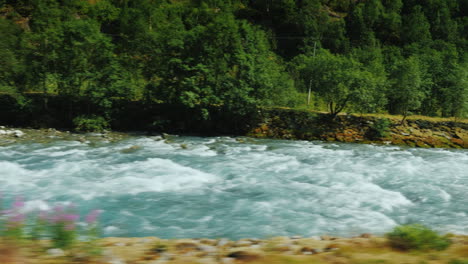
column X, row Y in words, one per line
column 90, row 123
column 381, row 128
column 456, row 261
column 416, row 237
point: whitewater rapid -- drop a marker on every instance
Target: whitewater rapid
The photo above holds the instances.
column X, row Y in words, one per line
column 242, row 187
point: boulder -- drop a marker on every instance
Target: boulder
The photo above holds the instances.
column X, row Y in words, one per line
column 243, row 243
column 55, row 252
column 245, row 254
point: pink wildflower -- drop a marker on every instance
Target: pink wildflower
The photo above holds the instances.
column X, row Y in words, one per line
column 91, row 218
column 69, row 217
column 18, row 203
column 43, row 216
column 70, row 226
column 16, row 220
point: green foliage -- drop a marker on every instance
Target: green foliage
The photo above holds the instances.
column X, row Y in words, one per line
column 406, row 94
column 90, row 123
column 338, row 80
column 399, row 56
column 62, row 237
column 416, row 237
column 380, row 128
column 456, row 261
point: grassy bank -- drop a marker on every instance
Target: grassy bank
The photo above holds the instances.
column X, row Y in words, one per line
column 414, row 131
column 365, row 249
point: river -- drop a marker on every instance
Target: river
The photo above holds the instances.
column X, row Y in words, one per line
column 242, row 187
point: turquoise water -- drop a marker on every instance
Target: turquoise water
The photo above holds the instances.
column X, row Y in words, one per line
column 242, row 187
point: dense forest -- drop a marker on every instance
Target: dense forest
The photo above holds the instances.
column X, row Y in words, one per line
column 364, row 56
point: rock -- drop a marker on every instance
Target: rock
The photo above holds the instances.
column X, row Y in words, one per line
column 130, row 149
column 331, row 247
column 207, row 249
column 308, row 251
column 283, row 247
column 183, row 146
column 120, row 244
column 256, row 246
column 186, row 245
column 144, row 240
column 296, row 237
column 327, row 238
column 366, row 235
column 227, row 260
column 207, row 261
column 255, row 240
column 223, row 242
column 243, row 243
column 55, row 252
column 18, row 133
column 245, row 255
column 211, row 242
column 116, row 261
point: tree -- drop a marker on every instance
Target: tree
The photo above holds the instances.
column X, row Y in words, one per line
column 416, row 27
column 337, row 80
column 406, row 94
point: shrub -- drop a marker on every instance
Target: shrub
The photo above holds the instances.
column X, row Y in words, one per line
column 456, row 261
column 381, row 128
column 416, row 237
column 90, row 123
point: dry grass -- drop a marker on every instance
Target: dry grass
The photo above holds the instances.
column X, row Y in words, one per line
column 349, row 251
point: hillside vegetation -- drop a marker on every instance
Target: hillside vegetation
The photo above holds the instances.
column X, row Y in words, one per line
column 366, row 56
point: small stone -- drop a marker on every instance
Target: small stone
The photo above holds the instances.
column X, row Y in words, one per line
column 245, row 255
column 327, row 238
column 116, row 261
column 56, row 252
column 255, row 240
column 243, row 243
column 18, row 133
column 308, row 251
column 283, row 247
column 207, row 249
column 227, row 260
column 207, row 261
column 366, row 235
column 206, row 241
column 296, row 237
column 187, row 245
column 223, row 242
column 144, row 241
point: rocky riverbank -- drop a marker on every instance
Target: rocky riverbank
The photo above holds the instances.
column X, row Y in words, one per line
column 10, row 135
column 299, row 125
column 304, row 125
column 151, row 250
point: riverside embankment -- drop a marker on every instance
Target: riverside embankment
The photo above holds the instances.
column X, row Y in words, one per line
column 306, row 125
column 365, row 249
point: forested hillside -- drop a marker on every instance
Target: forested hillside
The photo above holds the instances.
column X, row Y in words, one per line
column 395, row 56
